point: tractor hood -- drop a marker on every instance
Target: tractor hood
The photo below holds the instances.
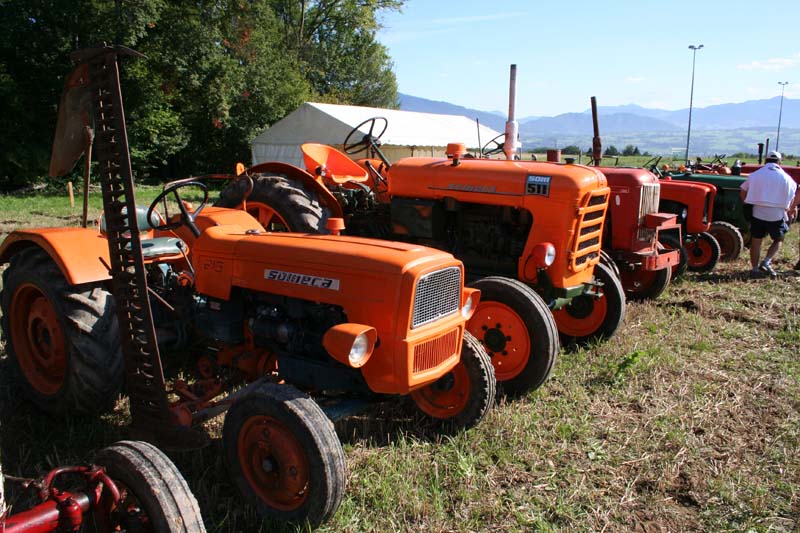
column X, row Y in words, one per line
column 437, row 178
column 627, row 176
column 228, row 256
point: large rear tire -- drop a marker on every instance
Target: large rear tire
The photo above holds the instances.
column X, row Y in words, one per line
column 588, row 318
column 518, row 331
column 731, row 242
column 63, row 340
column 284, row 455
column 703, row 252
column 154, row 496
column 461, row 398
column 279, row 203
column 646, row 284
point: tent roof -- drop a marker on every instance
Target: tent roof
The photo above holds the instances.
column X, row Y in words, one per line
column 330, row 124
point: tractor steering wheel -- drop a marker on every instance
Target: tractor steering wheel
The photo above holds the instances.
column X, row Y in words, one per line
column 368, row 140
column 652, row 164
column 186, row 218
column 496, row 149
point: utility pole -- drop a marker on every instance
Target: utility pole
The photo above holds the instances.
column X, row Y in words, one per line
column 694, row 50
column 783, row 85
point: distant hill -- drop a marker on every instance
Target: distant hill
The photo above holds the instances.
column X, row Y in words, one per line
column 581, row 123
column 724, row 128
column 421, row 105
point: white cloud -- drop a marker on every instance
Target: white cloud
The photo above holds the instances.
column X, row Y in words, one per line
column 774, row 63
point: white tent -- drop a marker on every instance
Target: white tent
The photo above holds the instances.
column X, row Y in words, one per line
column 408, row 133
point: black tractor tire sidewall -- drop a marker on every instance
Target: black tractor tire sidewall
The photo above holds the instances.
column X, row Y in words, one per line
column 727, row 233
column 156, row 483
column 313, row 430
column 87, row 317
column 541, row 326
column 298, row 206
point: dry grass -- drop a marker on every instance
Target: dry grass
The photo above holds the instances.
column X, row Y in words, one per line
column 687, row 420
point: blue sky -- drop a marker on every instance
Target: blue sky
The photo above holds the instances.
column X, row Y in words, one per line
column 619, row 51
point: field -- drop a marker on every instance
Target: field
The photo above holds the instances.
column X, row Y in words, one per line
column 689, row 419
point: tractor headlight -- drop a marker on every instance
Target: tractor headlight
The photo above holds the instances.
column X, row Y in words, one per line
column 360, row 351
column 684, row 213
column 350, row 344
column 544, row 254
column 470, row 299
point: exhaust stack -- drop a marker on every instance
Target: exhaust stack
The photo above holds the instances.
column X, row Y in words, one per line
column 512, row 127
column 597, row 144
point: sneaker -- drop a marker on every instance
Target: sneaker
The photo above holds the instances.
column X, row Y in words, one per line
column 756, row 274
column 767, row 269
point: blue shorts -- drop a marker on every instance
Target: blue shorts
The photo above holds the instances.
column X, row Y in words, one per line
column 776, row 229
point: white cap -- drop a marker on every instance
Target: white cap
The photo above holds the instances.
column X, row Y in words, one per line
column 774, row 155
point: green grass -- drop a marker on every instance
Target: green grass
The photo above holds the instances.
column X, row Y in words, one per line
column 689, row 419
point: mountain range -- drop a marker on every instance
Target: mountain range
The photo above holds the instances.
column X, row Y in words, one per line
column 724, row 128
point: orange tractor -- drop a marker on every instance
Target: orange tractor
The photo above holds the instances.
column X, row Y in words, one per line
column 528, row 232
column 267, row 319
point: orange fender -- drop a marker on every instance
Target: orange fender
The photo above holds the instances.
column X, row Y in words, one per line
column 291, row 171
column 78, row 252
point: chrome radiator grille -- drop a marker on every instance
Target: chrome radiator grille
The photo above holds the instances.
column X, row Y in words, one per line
column 648, row 202
column 438, row 294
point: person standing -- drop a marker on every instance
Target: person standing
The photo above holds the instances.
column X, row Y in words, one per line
column 773, row 194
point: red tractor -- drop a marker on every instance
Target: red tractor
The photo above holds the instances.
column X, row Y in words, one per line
column 539, row 224
column 131, row 486
column 285, row 331
column 634, row 226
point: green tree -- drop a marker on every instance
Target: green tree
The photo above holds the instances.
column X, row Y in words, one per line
column 216, row 72
column 571, row 150
column 611, row 150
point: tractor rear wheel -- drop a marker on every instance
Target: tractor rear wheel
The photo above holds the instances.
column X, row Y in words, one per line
column 64, row 340
column 518, row 331
column 588, row 317
column 731, row 242
column 671, row 243
column 646, row 284
column 154, row 495
column 284, row 455
column 462, row 397
column 703, row 252
column 279, row 203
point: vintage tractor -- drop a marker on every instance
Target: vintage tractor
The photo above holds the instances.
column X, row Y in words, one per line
column 537, row 223
column 267, row 320
column 131, row 486
column 634, row 226
column 729, row 228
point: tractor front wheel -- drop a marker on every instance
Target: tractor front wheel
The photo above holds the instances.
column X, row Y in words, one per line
column 463, row 396
column 154, row 497
column 645, row 284
column 284, row 455
column 703, row 252
column 64, row 340
column 590, row 317
column 279, row 203
column 517, row 329
column 731, row 242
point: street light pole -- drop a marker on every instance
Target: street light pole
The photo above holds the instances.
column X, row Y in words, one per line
column 694, row 50
column 783, row 85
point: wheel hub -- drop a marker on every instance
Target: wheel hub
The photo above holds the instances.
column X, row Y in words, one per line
column 581, row 306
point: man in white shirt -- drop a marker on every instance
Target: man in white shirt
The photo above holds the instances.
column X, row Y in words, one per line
column 773, row 194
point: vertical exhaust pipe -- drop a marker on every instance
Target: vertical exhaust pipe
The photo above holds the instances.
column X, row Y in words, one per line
column 512, row 128
column 760, row 152
column 597, row 145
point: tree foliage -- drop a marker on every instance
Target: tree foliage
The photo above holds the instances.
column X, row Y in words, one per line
column 611, row 150
column 216, row 73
